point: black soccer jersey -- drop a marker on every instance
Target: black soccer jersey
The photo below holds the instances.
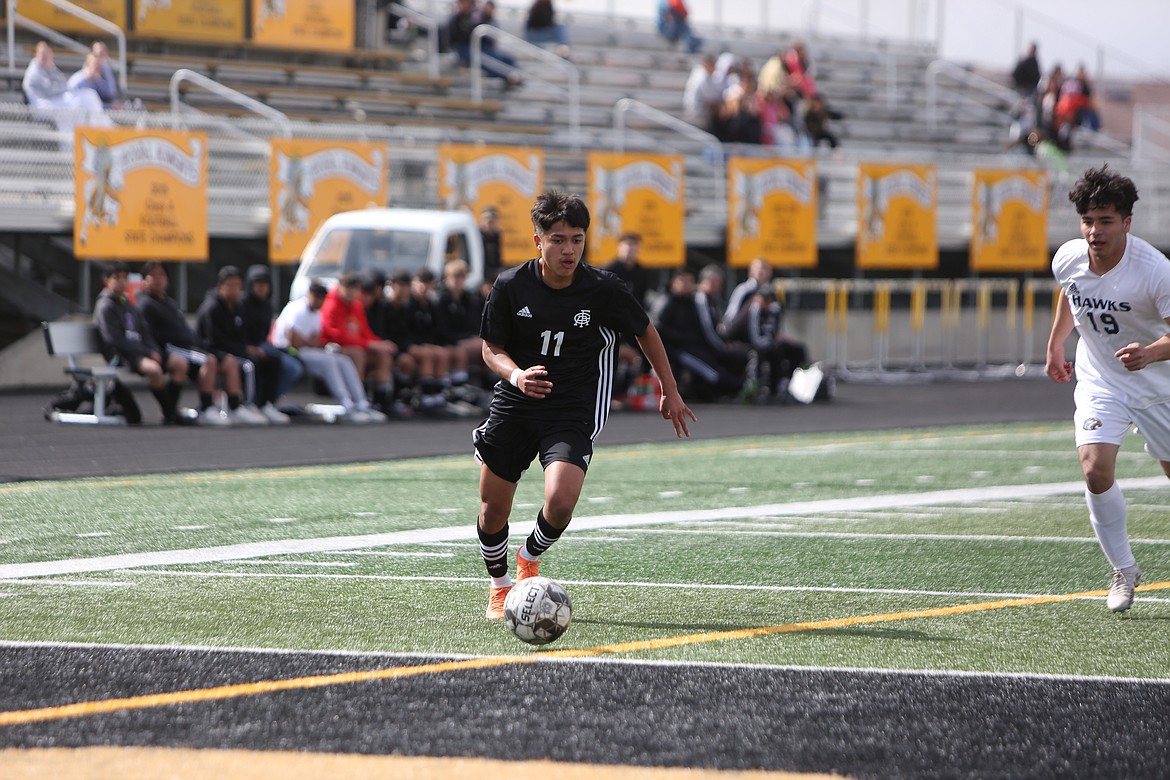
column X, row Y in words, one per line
column 573, row 332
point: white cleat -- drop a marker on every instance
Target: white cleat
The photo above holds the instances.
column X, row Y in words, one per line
column 1121, row 588
column 274, row 415
column 248, row 415
column 214, row 417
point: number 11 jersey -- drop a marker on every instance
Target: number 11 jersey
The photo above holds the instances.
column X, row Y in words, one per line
column 573, row 332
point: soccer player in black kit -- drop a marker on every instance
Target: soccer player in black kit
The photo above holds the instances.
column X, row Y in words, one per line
column 552, row 327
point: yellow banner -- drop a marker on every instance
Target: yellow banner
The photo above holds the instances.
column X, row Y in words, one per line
column 201, row 20
column 638, row 193
column 772, row 212
column 1009, row 221
column 139, row 194
column 508, row 178
column 311, row 180
column 897, row 209
column 303, row 24
column 51, row 16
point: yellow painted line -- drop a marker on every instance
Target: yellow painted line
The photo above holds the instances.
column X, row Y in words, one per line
column 83, row 709
column 137, row 763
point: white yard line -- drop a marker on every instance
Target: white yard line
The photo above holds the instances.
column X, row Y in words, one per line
column 619, row 584
column 466, row 531
column 284, row 651
column 709, row 530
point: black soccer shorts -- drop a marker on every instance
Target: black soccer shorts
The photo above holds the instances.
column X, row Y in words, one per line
column 508, row 445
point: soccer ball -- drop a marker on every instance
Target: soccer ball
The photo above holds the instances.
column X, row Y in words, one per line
column 537, row 610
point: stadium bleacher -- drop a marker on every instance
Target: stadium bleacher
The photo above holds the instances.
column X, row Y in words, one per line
column 391, row 95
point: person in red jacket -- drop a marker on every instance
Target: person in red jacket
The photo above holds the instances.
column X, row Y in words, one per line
column 344, row 324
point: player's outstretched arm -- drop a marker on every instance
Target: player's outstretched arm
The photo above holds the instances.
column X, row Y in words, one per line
column 672, row 406
column 1057, row 368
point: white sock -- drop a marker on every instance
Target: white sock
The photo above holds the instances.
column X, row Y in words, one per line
column 502, row 582
column 523, row 553
column 1108, row 517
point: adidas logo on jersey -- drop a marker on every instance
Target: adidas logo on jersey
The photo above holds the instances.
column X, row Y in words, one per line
column 524, row 313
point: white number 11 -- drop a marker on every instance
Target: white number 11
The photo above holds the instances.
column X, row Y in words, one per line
column 548, row 335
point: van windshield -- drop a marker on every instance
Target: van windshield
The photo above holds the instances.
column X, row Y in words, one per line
column 362, row 250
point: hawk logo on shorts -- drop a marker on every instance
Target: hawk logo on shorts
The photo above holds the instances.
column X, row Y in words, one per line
column 581, row 319
column 1092, row 424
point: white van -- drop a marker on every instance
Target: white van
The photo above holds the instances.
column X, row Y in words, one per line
column 390, row 240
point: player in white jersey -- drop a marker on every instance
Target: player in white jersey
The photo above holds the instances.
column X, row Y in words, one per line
column 1115, row 290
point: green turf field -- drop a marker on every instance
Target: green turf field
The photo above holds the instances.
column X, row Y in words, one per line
column 832, row 545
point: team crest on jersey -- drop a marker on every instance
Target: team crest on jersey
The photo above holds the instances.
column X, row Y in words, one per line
column 581, row 318
column 1092, row 424
column 1072, row 289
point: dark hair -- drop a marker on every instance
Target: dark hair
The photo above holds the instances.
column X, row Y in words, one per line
column 227, row 272
column 316, row 288
column 349, row 279
column 555, row 206
column 400, row 276
column 113, row 269
column 424, row 275
column 1100, row 188
column 151, row 265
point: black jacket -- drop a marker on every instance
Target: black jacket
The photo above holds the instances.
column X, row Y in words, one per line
column 123, row 332
column 167, row 323
column 257, row 312
column 222, row 328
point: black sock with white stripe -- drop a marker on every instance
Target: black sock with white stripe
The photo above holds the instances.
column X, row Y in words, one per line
column 494, row 549
column 541, row 538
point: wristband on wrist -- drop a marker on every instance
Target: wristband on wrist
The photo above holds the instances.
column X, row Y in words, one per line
column 515, row 378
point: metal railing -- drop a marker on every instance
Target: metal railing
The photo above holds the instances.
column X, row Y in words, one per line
column 60, row 39
column 984, row 86
column 712, row 146
column 227, row 93
column 431, row 25
column 571, row 73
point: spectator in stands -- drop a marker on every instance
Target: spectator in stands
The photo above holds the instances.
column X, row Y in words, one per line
column 297, row 332
column 780, row 124
column 46, row 89
column 703, row 94
column 772, row 357
column 541, row 26
column 801, row 72
column 629, row 270
column 740, row 113
column 489, row 231
column 126, row 339
column 759, row 276
column 106, row 85
column 221, row 326
column 459, row 28
column 674, row 27
column 1076, row 107
column 177, row 338
column 688, row 332
column 1026, row 75
column 773, row 76
column 817, row 115
column 1049, row 124
column 460, row 311
column 257, row 311
column 343, row 322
